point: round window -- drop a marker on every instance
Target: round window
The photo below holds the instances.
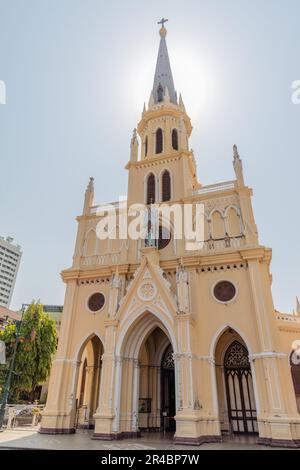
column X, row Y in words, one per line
column 96, row 302
column 224, row 291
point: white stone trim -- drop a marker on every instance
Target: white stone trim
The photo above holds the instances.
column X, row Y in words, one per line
column 267, row 354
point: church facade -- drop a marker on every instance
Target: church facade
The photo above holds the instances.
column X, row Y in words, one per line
column 158, row 337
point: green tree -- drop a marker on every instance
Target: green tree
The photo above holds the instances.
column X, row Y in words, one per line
column 36, row 346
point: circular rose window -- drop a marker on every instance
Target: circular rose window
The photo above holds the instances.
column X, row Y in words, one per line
column 224, row 291
column 96, row 302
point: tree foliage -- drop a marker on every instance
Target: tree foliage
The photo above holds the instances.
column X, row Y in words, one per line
column 35, row 348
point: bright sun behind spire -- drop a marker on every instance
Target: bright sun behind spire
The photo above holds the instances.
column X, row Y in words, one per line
column 163, row 78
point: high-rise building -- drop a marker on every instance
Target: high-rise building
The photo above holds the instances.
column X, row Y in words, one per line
column 10, row 257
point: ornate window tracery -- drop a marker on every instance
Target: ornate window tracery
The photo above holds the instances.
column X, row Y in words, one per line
column 168, row 359
column 236, row 356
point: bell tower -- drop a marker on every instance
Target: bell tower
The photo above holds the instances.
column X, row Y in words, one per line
column 164, row 130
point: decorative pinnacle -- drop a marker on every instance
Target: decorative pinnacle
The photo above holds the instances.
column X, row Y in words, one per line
column 134, row 136
column 235, row 153
column 91, row 183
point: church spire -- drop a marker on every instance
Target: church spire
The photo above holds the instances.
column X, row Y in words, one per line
column 163, row 78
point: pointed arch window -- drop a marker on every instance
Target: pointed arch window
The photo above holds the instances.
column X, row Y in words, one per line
column 166, row 186
column 159, row 141
column 146, row 146
column 151, row 189
column 174, row 139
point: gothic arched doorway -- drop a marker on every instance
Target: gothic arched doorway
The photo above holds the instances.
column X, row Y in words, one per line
column 138, row 400
column 88, row 382
column 239, row 389
column 157, row 407
column 237, row 407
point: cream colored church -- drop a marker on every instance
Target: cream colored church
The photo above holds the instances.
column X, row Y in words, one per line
column 155, row 337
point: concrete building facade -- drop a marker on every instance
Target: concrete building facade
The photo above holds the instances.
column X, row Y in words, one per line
column 10, row 257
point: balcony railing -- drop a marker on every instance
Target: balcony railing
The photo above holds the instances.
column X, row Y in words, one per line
column 211, row 188
column 221, row 244
column 103, row 259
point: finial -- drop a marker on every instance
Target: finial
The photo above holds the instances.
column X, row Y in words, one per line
column 235, row 152
column 162, row 30
column 91, row 183
column 181, row 104
column 134, row 135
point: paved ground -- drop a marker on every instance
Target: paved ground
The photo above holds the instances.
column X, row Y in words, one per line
column 30, row 439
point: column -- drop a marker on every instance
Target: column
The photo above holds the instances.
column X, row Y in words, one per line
column 58, row 416
column 274, row 424
column 105, row 414
column 196, row 418
column 135, row 396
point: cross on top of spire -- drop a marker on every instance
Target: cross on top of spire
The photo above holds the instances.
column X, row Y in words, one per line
column 163, row 79
column 162, row 22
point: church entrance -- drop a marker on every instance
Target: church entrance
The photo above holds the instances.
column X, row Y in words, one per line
column 237, row 406
column 157, row 406
column 88, row 383
column 146, row 397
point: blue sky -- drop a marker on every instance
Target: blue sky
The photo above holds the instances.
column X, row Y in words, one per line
column 77, row 73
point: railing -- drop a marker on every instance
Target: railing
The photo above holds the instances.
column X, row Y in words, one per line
column 105, row 259
column 104, row 207
column 223, row 244
column 114, row 258
column 224, row 185
column 22, row 415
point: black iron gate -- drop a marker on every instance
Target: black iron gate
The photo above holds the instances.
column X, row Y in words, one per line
column 239, row 390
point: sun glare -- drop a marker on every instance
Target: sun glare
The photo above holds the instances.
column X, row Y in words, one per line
column 192, row 73
column 193, row 78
